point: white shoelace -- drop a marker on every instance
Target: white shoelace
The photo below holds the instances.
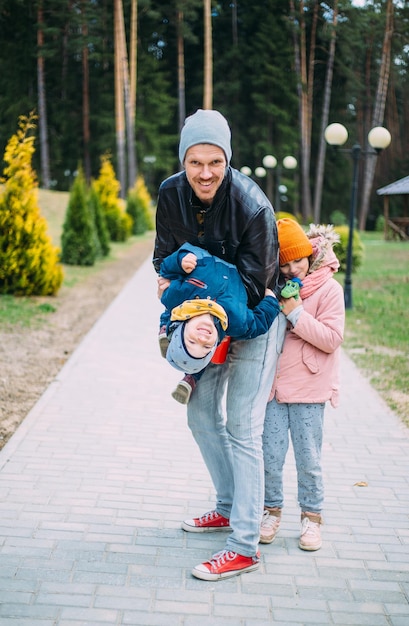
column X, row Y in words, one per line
column 309, row 528
column 269, row 522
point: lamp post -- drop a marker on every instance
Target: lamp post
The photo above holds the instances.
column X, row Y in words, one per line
column 379, row 138
column 270, row 163
column 246, row 170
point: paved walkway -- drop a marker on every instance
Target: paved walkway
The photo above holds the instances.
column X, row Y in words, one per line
column 95, row 482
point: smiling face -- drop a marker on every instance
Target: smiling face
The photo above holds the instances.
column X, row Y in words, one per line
column 295, row 269
column 200, row 335
column 205, row 166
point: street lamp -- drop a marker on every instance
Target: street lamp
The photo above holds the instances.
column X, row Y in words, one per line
column 270, row 162
column 379, row 138
column 246, row 170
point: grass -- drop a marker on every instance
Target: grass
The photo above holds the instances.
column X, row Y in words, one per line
column 377, row 327
column 29, row 312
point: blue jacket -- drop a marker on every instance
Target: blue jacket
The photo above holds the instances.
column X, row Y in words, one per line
column 217, row 280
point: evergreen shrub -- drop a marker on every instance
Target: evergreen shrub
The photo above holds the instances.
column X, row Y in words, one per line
column 341, row 248
column 29, row 263
column 107, row 188
column 337, row 218
column 100, row 222
column 281, row 214
column 139, row 208
column 79, row 239
column 380, row 224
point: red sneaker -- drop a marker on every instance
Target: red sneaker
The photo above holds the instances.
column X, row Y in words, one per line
column 209, row 523
column 225, row 564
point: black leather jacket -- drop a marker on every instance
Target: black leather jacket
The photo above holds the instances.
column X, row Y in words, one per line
column 238, row 227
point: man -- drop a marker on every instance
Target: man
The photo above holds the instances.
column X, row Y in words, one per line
column 214, row 206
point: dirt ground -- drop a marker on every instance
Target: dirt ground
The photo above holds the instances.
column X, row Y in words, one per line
column 31, row 358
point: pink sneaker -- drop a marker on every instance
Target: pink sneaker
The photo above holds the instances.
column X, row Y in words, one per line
column 310, row 538
column 270, row 524
column 226, row 564
column 209, row 523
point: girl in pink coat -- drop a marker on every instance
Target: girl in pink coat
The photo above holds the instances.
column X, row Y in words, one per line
column 307, row 376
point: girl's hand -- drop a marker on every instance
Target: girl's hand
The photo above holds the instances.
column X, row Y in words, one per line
column 163, row 283
column 189, row 262
column 289, row 304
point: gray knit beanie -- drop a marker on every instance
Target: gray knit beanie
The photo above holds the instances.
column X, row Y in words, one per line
column 205, row 126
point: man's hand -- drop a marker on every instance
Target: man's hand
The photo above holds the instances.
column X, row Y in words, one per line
column 189, row 262
column 163, row 283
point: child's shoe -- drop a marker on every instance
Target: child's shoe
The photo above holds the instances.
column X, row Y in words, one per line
column 184, row 389
column 163, row 341
column 270, row 524
column 310, row 538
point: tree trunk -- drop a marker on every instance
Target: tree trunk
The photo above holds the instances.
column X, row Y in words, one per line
column 378, row 114
column 306, row 112
column 133, row 60
column 119, row 102
column 130, row 130
column 85, row 99
column 319, row 178
column 297, row 65
column 181, row 70
column 208, row 65
column 42, row 107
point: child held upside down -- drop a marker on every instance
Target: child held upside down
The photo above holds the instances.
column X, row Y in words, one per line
column 205, row 302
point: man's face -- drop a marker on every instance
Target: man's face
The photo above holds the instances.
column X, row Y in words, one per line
column 205, row 166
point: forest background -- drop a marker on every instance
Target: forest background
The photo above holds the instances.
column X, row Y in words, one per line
column 279, row 71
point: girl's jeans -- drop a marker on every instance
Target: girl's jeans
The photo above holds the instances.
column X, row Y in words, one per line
column 305, row 423
column 231, row 446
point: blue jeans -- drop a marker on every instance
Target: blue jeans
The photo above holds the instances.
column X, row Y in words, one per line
column 231, row 446
column 305, row 423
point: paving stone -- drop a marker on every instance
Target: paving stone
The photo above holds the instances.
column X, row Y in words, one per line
column 96, row 480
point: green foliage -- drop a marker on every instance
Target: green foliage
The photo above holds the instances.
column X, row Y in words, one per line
column 139, row 207
column 341, row 248
column 79, row 239
column 99, row 221
column 377, row 328
column 29, row 263
column 281, row 214
column 107, row 187
column 380, row 224
column 337, row 218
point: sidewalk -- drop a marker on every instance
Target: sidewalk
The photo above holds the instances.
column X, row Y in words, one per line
column 96, row 480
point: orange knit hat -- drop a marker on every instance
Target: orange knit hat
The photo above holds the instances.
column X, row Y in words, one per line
column 294, row 243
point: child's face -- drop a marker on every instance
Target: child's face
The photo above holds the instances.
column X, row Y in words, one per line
column 295, row 269
column 200, row 335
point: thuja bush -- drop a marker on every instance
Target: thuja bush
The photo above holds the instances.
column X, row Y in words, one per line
column 139, row 207
column 99, row 221
column 79, row 240
column 29, row 262
column 341, row 248
column 107, row 188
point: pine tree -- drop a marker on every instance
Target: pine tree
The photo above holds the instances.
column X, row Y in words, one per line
column 29, row 263
column 79, row 239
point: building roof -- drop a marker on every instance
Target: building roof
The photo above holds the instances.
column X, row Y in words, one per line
column 399, row 187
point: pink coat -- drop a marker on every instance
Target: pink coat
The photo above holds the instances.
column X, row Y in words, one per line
column 308, row 368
